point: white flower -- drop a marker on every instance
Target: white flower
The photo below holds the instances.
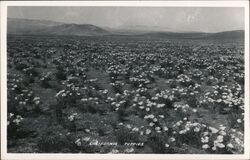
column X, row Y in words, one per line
column 166, row 145
column 36, row 98
column 220, row 138
column 172, row 139
column 223, row 133
column 135, row 129
column 129, row 150
column 59, row 93
column 37, row 102
column 213, row 130
column 165, row 128
column 196, row 129
column 78, row 142
column 161, row 116
column 11, row 115
column 141, row 133
column 240, row 133
column 150, row 116
column 205, row 133
column 204, row 139
column 239, row 120
column 19, row 117
column 151, row 124
column 220, row 145
column 71, row 118
column 63, row 94
column 222, row 128
column 237, row 140
column 178, row 123
column 86, row 139
column 205, row 146
column 17, row 121
column 84, row 99
column 160, row 105
column 148, row 131
column 147, row 109
column 105, row 91
column 129, row 126
column 229, row 145
column 141, row 107
column 114, row 151
column 194, row 110
column 219, row 100
column 140, row 103
column 182, row 132
column 117, row 105
column 94, row 142
column 157, row 128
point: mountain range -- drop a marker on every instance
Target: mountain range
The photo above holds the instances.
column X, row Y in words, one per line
column 45, row 27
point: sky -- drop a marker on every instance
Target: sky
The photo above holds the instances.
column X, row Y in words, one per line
column 204, row 19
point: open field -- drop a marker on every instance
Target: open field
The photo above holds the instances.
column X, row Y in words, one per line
column 116, row 94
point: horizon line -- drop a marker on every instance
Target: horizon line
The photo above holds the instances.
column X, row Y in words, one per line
column 124, row 28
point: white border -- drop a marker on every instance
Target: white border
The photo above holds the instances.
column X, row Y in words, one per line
column 12, row 156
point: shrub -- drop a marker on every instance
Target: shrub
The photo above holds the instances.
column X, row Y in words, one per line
column 14, row 123
column 54, row 140
column 122, row 114
column 235, row 120
column 125, row 135
column 157, row 143
column 61, row 75
column 21, row 66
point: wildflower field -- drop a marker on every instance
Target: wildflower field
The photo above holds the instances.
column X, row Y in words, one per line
column 125, row 95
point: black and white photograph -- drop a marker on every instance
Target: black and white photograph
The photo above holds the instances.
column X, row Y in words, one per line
column 161, row 80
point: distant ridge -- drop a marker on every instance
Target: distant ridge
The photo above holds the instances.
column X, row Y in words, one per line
column 228, row 34
column 74, row 30
column 26, row 26
column 236, row 34
column 44, row 27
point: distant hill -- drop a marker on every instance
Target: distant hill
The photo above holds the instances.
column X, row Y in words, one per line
column 174, row 35
column 237, row 34
column 43, row 27
column 74, row 30
column 26, row 26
